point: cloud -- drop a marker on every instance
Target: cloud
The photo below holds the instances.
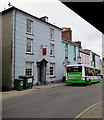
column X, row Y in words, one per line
column 62, row 16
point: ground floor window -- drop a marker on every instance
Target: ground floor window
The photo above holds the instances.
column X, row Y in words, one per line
column 29, row 68
column 52, row 69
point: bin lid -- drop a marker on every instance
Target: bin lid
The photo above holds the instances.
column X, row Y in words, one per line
column 19, row 79
column 25, row 76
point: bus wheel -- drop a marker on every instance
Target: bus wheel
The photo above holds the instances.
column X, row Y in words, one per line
column 89, row 82
column 98, row 81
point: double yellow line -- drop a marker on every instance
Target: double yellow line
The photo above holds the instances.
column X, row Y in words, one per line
column 86, row 110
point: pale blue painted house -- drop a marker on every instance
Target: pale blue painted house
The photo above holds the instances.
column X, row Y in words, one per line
column 33, row 48
column 70, row 50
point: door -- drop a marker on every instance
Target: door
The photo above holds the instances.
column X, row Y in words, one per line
column 42, row 72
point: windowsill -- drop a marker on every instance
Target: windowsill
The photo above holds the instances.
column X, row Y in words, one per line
column 52, row 40
column 29, row 33
column 52, row 56
column 52, row 76
column 29, row 53
column 74, row 59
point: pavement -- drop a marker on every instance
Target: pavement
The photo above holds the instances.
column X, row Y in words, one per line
column 15, row 93
column 94, row 111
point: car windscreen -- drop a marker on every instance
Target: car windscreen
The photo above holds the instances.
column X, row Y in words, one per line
column 74, row 69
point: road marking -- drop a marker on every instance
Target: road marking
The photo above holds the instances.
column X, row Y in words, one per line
column 86, row 110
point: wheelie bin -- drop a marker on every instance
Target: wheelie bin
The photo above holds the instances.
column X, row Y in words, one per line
column 28, row 81
column 18, row 84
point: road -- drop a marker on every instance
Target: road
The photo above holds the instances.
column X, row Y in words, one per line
column 60, row 102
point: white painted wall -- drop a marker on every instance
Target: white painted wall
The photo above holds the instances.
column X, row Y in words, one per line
column 85, row 59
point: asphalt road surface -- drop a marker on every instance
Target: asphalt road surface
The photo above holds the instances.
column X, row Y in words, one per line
column 60, row 102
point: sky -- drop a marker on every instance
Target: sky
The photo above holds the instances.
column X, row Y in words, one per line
column 61, row 16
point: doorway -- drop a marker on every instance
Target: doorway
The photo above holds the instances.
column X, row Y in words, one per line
column 42, row 64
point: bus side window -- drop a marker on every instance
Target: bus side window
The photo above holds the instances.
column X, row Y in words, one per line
column 86, row 71
column 91, row 72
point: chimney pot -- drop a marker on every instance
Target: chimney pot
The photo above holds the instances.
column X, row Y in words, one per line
column 45, row 18
column 78, row 43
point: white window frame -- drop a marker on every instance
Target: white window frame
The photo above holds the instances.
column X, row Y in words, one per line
column 52, row 65
column 51, row 34
column 29, row 26
column 66, row 51
column 52, row 50
column 27, row 68
column 74, row 50
column 31, row 45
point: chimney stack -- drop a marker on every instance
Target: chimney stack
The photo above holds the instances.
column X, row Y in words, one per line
column 67, row 33
column 45, row 18
column 78, row 43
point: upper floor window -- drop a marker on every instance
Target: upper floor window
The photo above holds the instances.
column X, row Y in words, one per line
column 29, row 45
column 66, row 51
column 51, row 33
column 29, row 26
column 74, row 53
column 51, row 49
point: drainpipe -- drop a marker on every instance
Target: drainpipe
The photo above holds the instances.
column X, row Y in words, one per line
column 14, row 42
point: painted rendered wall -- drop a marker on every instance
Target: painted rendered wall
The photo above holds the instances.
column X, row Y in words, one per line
column 40, row 36
column 6, row 50
column 85, row 59
column 70, row 55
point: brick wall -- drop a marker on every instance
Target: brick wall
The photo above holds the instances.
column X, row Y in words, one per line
column 67, row 33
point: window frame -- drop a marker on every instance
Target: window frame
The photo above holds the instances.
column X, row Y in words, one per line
column 53, row 70
column 52, row 47
column 29, row 62
column 29, row 27
column 31, row 52
column 66, row 51
column 74, row 51
column 52, row 34
column 89, row 71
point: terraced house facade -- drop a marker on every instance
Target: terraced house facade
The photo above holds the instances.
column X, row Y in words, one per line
column 31, row 46
column 34, row 47
column 70, row 49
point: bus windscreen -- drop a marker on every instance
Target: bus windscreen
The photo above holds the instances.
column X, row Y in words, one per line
column 74, row 69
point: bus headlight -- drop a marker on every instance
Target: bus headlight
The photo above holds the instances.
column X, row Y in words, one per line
column 66, row 78
column 83, row 78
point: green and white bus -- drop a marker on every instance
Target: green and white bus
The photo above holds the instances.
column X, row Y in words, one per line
column 81, row 74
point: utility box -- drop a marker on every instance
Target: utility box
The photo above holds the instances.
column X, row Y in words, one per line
column 18, row 84
column 28, row 81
